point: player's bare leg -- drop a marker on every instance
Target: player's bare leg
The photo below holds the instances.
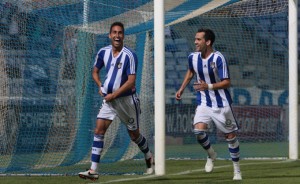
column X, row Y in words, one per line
column 234, row 150
column 203, row 140
column 142, row 143
column 98, row 143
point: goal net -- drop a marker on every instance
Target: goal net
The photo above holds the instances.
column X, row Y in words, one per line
column 253, row 36
column 49, row 101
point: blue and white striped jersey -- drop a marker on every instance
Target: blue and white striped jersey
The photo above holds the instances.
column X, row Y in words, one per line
column 117, row 68
column 211, row 70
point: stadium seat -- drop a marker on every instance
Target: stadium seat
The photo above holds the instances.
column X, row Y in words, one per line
column 279, row 53
column 264, row 22
column 170, row 95
column 182, row 67
column 233, row 61
column 264, row 35
column 182, row 74
column 244, row 83
column 170, row 45
column 248, row 72
column 182, row 44
column 172, row 75
column 169, row 58
column 169, row 67
column 181, row 57
column 221, row 47
column 263, row 84
column 169, row 55
column 234, row 71
column 169, row 82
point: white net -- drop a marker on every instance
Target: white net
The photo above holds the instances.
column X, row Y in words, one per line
column 49, row 101
column 253, row 37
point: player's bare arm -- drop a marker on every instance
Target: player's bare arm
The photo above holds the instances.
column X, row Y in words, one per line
column 96, row 77
column 202, row 85
column 188, row 77
column 128, row 85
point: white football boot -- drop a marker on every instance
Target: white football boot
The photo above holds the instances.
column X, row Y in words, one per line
column 209, row 166
column 237, row 176
column 150, row 166
column 89, row 174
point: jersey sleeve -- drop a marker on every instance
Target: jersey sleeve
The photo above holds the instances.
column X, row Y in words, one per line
column 222, row 68
column 99, row 62
column 190, row 60
column 132, row 64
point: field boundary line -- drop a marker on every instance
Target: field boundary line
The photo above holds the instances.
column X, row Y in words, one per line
column 188, row 172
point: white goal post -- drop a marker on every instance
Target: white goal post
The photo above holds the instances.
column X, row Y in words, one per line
column 159, row 87
column 293, row 80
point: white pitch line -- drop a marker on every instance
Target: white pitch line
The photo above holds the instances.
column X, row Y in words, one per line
column 186, row 172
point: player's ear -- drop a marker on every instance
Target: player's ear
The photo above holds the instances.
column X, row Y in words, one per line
column 208, row 42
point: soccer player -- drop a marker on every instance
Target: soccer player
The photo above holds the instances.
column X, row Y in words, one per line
column 120, row 98
column 213, row 98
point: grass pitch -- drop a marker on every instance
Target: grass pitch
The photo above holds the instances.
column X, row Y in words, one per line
column 188, row 171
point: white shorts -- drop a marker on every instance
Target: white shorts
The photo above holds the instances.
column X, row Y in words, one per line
column 222, row 117
column 127, row 108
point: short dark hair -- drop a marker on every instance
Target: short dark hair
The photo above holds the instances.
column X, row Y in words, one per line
column 116, row 24
column 209, row 34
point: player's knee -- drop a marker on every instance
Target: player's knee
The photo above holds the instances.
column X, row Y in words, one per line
column 199, row 133
column 231, row 135
column 98, row 131
column 134, row 135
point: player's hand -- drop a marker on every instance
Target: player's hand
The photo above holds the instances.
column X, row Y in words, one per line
column 109, row 97
column 100, row 92
column 196, row 86
column 178, row 95
column 200, row 85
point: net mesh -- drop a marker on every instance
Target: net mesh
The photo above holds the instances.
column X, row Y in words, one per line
column 253, row 36
column 49, row 101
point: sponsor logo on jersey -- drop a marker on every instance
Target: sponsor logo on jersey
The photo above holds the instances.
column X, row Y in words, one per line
column 131, row 120
column 213, row 65
column 119, row 65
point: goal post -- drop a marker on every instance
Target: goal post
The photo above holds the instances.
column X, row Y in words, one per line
column 159, row 87
column 293, row 80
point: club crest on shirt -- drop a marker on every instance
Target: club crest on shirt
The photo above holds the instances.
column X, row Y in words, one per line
column 213, row 65
column 228, row 124
column 131, row 120
column 119, row 65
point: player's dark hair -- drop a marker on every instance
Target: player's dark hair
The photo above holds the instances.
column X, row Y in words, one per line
column 117, row 24
column 208, row 34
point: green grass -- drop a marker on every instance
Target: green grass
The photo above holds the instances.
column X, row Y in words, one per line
column 188, row 171
column 248, row 150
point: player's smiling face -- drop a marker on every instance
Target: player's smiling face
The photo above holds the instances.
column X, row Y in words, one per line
column 200, row 42
column 116, row 36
